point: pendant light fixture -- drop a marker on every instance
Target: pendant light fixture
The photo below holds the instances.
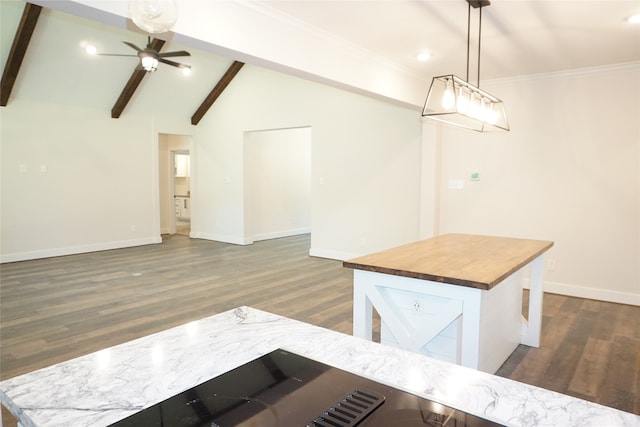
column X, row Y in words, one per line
column 153, row 16
column 457, row 102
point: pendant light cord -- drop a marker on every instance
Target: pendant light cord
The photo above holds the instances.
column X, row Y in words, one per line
column 479, row 39
column 468, row 36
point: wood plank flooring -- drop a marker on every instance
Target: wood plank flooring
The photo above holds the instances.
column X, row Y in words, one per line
column 58, row 308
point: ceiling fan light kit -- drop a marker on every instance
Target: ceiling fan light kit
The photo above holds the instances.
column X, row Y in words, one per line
column 148, row 62
column 150, row 58
column 457, row 102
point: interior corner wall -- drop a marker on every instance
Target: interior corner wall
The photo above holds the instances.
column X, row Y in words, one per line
column 365, row 162
column 568, row 171
column 430, row 180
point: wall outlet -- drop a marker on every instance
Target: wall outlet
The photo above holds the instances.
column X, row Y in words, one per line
column 551, row 264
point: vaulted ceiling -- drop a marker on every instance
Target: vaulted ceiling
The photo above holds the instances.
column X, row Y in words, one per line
column 518, row 38
column 57, row 70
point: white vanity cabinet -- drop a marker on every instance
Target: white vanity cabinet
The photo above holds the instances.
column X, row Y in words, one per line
column 183, row 208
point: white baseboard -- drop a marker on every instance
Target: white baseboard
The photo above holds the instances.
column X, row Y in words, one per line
column 94, row 247
column 282, row 233
column 592, row 293
column 241, row 240
column 236, row 240
column 340, row 256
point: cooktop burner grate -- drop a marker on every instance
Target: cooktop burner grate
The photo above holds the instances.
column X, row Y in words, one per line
column 349, row 411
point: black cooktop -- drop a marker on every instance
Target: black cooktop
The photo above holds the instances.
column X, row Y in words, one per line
column 285, row 389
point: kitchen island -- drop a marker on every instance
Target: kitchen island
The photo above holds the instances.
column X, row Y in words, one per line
column 455, row 297
column 103, row 387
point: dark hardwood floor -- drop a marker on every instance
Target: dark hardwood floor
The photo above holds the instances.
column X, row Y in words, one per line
column 58, row 308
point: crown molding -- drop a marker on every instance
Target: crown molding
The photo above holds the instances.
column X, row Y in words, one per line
column 576, row 72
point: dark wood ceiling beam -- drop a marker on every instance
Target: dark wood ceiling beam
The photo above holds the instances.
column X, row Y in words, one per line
column 133, row 83
column 19, row 47
column 216, row 91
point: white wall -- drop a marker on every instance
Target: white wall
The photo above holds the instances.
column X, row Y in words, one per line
column 101, row 188
column 277, row 172
column 95, row 192
column 568, row 171
column 365, row 162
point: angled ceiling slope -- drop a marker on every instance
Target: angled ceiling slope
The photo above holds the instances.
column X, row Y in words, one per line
column 216, row 92
column 133, row 83
column 18, row 50
column 23, row 37
column 372, row 49
column 138, row 75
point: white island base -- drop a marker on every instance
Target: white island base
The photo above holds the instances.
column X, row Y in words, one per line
column 467, row 326
column 454, row 297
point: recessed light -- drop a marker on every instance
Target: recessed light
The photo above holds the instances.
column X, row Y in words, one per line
column 91, row 49
column 423, row 56
column 634, row 19
column 186, row 71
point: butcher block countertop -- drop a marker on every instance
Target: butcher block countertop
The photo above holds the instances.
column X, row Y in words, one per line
column 457, row 259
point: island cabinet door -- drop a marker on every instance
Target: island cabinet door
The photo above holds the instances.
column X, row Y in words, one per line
column 427, row 324
column 422, row 316
column 475, row 328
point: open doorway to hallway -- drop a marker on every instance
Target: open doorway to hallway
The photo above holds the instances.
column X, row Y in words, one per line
column 277, row 177
column 175, row 161
column 182, row 191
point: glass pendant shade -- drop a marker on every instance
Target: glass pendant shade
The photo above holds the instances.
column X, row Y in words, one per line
column 153, row 16
column 455, row 101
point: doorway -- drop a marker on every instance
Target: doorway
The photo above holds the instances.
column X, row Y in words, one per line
column 182, row 191
column 277, row 176
column 175, row 170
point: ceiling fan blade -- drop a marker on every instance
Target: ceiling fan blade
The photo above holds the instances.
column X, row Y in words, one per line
column 176, row 53
column 174, row 64
column 133, row 46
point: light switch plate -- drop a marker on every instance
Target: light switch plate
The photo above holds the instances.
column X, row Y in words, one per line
column 456, row 184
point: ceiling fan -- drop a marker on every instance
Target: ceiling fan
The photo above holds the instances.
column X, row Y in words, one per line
column 150, row 58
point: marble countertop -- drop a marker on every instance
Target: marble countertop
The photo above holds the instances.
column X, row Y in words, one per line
column 103, row 387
